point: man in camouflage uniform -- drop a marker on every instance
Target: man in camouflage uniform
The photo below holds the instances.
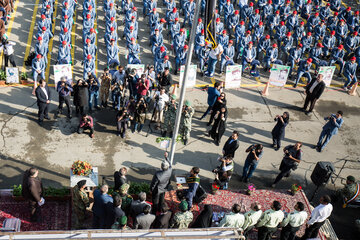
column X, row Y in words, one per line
column 183, row 218
column 80, row 203
column 350, row 194
column 170, row 116
column 185, row 123
column 105, row 87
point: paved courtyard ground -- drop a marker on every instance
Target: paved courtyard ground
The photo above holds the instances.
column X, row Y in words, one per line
column 54, row 146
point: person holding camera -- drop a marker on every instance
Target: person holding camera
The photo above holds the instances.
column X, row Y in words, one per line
column 80, row 96
column 329, row 129
column 122, row 119
column 105, row 87
column 185, row 122
column 165, row 79
column 86, row 123
column 278, row 132
column 94, row 87
column 255, row 153
column 224, row 172
column 142, row 86
column 140, row 115
column 291, row 160
column 64, row 89
column 169, row 116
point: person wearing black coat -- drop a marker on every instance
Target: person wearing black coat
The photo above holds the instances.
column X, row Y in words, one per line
column 120, row 178
column 204, row 220
column 231, row 145
column 278, row 132
column 313, row 92
column 163, row 219
column 220, row 103
column 81, row 96
column 113, row 211
column 43, row 96
column 219, row 126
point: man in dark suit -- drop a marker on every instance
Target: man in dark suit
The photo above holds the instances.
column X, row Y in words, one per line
column 32, row 191
column 43, row 96
column 231, row 145
column 101, row 199
column 313, row 92
column 159, row 183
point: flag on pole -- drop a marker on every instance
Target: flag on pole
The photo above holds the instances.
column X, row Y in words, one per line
column 210, row 33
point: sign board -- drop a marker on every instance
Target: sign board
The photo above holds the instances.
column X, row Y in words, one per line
column 12, row 75
column 140, row 68
column 328, row 73
column 191, row 81
column 91, row 181
column 62, row 70
column 233, row 76
column 165, row 144
column 279, row 75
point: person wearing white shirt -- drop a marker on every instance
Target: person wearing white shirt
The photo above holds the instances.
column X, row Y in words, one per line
column 269, row 221
column 251, row 218
column 234, row 219
column 214, row 57
column 293, row 221
column 161, row 98
column 318, row 217
column 8, row 52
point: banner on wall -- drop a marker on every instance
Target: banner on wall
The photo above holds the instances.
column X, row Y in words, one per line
column 191, row 81
column 12, row 75
column 328, row 73
column 62, row 70
column 279, row 75
column 233, row 76
column 140, row 68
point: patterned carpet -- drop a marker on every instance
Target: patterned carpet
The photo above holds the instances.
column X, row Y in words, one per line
column 55, row 214
column 224, row 200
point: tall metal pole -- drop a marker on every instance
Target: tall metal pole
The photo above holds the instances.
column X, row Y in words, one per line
column 183, row 86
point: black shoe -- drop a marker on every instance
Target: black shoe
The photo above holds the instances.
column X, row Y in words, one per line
column 163, row 134
column 185, row 141
column 97, row 108
column 295, row 86
column 47, row 117
column 246, row 180
column 277, row 149
column 70, row 116
column 208, row 124
column 171, row 134
column 175, row 73
column 314, row 147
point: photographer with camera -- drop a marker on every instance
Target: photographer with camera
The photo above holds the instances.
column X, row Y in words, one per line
column 131, row 81
column 64, row 89
column 94, row 87
column 255, row 153
column 160, row 98
column 292, row 158
column 334, row 122
column 122, row 119
column 86, row 123
column 80, row 96
column 165, row 79
column 169, row 116
column 140, row 115
column 224, row 172
column 105, row 87
column 8, row 52
column 116, row 88
column 185, row 122
column 142, row 86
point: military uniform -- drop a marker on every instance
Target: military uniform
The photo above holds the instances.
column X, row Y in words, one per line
column 169, row 118
column 182, row 219
column 185, row 124
column 104, row 88
column 80, row 203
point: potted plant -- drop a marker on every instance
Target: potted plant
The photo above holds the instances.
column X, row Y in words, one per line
column 295, row 188
column 214, row 188
column 250, row 189
column 17, row 193
column 81, row 168
column 23, row 77
column 136, row 188
column 2, row 77
column 57, row 194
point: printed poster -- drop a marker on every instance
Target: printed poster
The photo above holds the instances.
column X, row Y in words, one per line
column 279, row 75
column 12, row 75
column 191, row 81
column 62, row 70
column 328, row 73
column 233, row 76
column 165, row 144
column 140, row 68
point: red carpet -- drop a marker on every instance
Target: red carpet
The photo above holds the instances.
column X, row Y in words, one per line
column 224, row 200
column 55, row 214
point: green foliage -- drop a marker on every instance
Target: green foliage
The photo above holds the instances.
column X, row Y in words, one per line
column 178, row 139
column 17, row 189
column 136, row 188
column 2, row 75
column 56, row 192
column 23, row 75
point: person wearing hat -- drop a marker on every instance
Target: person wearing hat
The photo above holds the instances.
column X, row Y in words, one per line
column 66, row 22
column 153, row 15
column 156, row 40
column 80, row 203
column 133, row 34
column 228, row 9
column 285, row 11
column 351, row 43
column 38, row 69
column 171, row 14
column 249, row 57
column 317, row 54
column 174, row 28
column 350, row 73
column 111, row 24
column 127, row 5
column 121, row 224
column 169, row 116
column 353, row 22
column 64, row 54
column 341, row 31
column 41, row 49
column 134, row 25
column 88, row 24
column 89, row 49
column 219, row 26
column 179, row 40
column 47, row 11
column 65, row 35
column 180, row 58
column 292, row 21
column 45, row 34
column 337, row 56
column 286, row 45
column 258, row 32
column 112, row 35
column 170, row 5
column 223, row 39
column 329, row 43
column 133, row 52
column 43, row 22
column 299, row 31
column 158, row 25
column 306, row 11
column 280, row 32
column 239, row 32
column 350, row 194
column 183, row 218
column 303, row 71
column 185, row 122
column 233, row 21
column 67, row 9
column 227, row 57
column 313, row 92
column 320, row 31
column 109, row 13
column 262, row 47
column 272, row 57
column 332, row 21
column 267, row 10
column 112, row 54
column 130, row 13
column 307, row 42
column 199, row 26
column 89, row 66
column 324, row 12
column 254, row 19
column 273, row 21
column 204, row 56
column 345, row 13
column 199, row 41
column 162, row 64
column 295, row 55
column 246, row 9
column 331, row 127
